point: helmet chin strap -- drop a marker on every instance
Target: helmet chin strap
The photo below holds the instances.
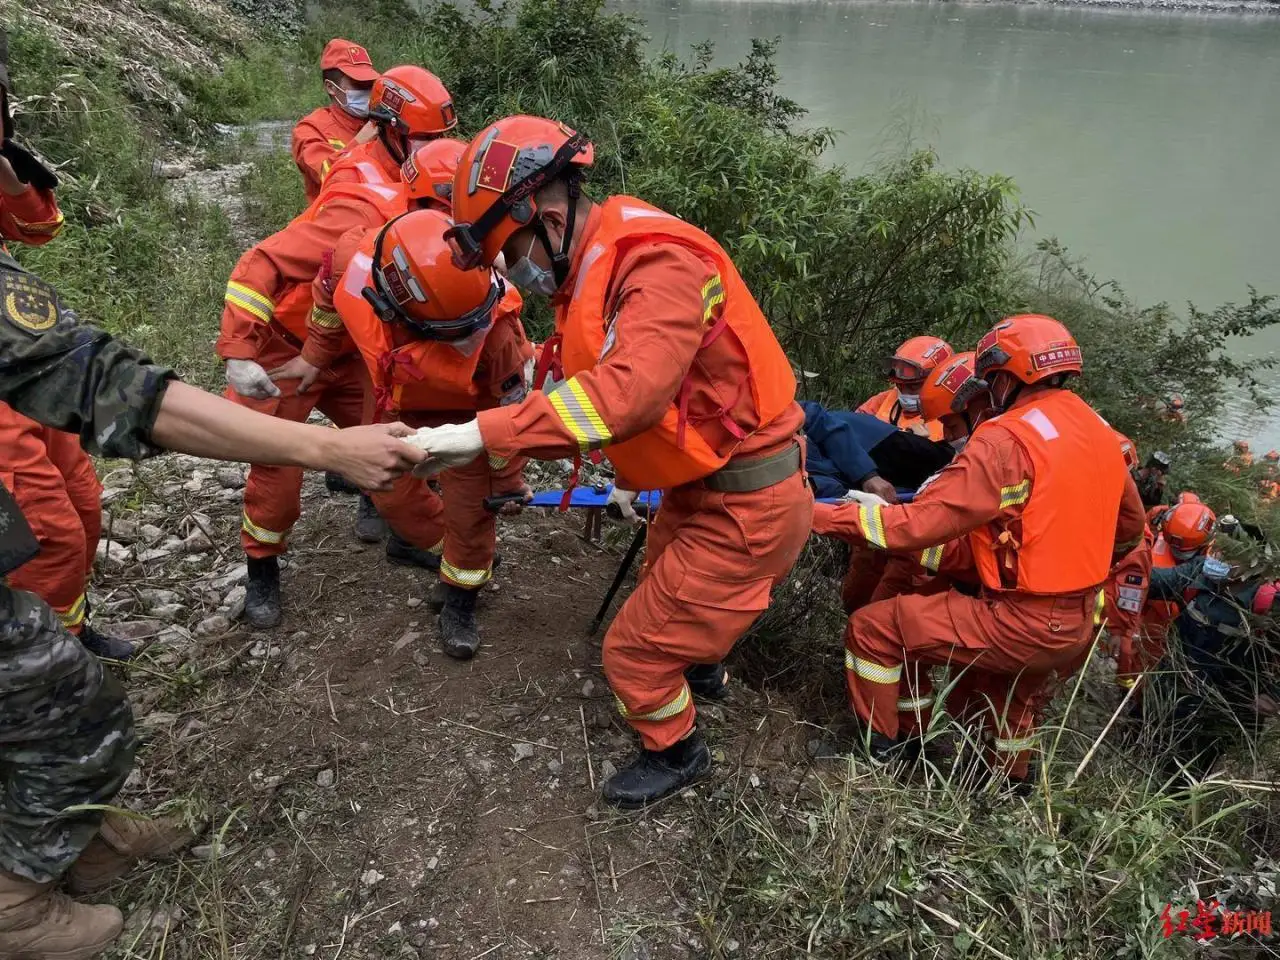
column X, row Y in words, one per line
column 397, row 151
column 560, row 259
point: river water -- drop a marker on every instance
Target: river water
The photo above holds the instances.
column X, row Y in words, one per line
column 1147, row 142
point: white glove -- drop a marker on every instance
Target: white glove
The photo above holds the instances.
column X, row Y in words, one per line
column 530, row 371
column 248, row 379
column 452, row 445
column 861, row 496
column 624, row 500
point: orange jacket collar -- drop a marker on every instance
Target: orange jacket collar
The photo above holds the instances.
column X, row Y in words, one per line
column 585, row 235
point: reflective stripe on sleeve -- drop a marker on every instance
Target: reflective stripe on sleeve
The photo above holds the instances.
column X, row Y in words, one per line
column 579, row 415
column 872, row 523
column 712, row 297
column 673, row 708
column 1016, row 494
column 931, row 558
column 498, row 463
column 328, row 319
column 249, row 299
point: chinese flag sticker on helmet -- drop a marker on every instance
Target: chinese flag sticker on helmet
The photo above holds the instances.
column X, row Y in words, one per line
column 495, row 169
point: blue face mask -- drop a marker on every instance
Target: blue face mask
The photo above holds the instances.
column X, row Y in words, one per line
column 530, row 277
column 356, row 103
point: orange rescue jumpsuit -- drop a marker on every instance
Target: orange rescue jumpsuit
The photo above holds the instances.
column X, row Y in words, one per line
column 318, row 139
column 884, row 406
column 1147, row 642
column 401, row 367
column 265, row 319
column 713, row 558
column 368, row 162
column 1009, row 631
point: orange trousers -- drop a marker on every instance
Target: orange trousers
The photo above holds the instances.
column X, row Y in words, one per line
column 54, row 482
column 712, row 561
column 1126, row 596
column 1017, row 643
column 866, row 568
column 272, row 495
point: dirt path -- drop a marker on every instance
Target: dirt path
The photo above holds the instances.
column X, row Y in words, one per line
column 379, row 799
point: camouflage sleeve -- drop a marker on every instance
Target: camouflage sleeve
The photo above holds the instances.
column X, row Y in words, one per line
column 72, row 376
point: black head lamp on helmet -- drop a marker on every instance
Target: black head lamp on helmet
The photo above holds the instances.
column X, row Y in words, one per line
column 414, row 282
column 499, row 177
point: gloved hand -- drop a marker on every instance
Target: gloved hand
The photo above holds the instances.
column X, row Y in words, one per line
column 881, row 487
column 623, row 500
column 247, row 378
column 530, row 370
column 451, row 445
column 861, row 496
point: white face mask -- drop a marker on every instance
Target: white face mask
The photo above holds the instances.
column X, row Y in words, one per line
column 354, row 102
column 958, row 445
column 909, row 402
column 471, row 344
column 530, row 277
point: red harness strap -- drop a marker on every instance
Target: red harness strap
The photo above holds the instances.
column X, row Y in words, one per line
column 390, row 364
column 686, row 390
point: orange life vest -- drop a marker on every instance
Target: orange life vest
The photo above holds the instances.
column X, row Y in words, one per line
column 669, row 455
column 391, row 200
column 1158, row 614
column 1068, row 527
column 890, row 411
column 362, row 158
column 419, row 374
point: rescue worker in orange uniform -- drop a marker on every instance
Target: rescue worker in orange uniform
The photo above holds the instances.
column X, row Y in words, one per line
column 1041, row 533
column 666, row 364
column 907, row 369
column 1186, row 532
column 325, row 132
column 265, row 321
column 1125, row 591
column 441, row 344
column 1241, row 456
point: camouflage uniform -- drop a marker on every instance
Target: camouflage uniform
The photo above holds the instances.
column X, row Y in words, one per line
column 66, row 730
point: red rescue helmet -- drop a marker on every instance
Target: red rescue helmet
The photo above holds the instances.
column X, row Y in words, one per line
column 1272, row 456
column 494, row 191
column 1130, row 451
column 410, row 105
column 1030, row 347
column 1241, row 446
column 1188, row 529
column 916, row 359
column 1186, row 496
column 428, row 173
column 415, row 281
column 950, row 388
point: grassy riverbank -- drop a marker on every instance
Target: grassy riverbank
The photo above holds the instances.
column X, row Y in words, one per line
column 836, row 862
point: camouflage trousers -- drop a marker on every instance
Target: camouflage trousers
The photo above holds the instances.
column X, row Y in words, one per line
column 66, row 739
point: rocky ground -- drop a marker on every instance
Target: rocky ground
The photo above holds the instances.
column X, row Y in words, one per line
column 369, row 797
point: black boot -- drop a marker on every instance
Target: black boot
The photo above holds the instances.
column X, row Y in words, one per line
column 458, row 636
column 370, row 527
column 337, row 483
column 656, row 774
column 709, row 681
column 262, row 594
column 403, row 552
column 104, row 645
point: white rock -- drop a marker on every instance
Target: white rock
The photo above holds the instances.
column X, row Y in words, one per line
column 213, row 626
column 394, row 928
column 232, row 478
column 174, row 636
column 258, row 650
column 168, row 611
column 523, row 751
column 111, row 494
column 210, row 851
column 150, row 532
column 167, row 917
column 154, row 554
column 309, row 950
column 589, row 689
column 404, row 641
column 325, row 778
column 433, row 863
column 193, row 485
column 233, row 603
column 154, row 598
column 197, row 542
column 607, row 769
column 415, row 601
column 232, row 576
column 112, row 553
column 371, row 877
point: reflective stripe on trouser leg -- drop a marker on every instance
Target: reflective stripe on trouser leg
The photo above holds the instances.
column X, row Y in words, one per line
column 470, row 530
column 73, row 616
column 462, row 577
column 672, row 708
column 873, row 687
column 915, row 699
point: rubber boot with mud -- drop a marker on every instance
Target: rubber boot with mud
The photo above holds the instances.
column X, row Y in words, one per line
column 708, row 681
column 370, row 527
column 39, row 923
column 655, row 774
column 401, row 551
column 262, row 593
column 123, row 841
column 104, row 645
column 458, row 635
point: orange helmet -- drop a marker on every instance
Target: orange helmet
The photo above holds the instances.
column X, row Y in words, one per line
column 1272, row 456
column 1241, row 446
column 428, row 173
column 1176, row 402
column 1186, row 496
column 950, row 387
column 1130, row 451
column 917, row 358
column 506, row 164
column 415, row 282
column 412, row 104
column 1188, row 529
column 1030, row 347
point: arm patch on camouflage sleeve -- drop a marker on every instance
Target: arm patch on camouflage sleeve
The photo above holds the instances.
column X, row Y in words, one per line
column 27, row 303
